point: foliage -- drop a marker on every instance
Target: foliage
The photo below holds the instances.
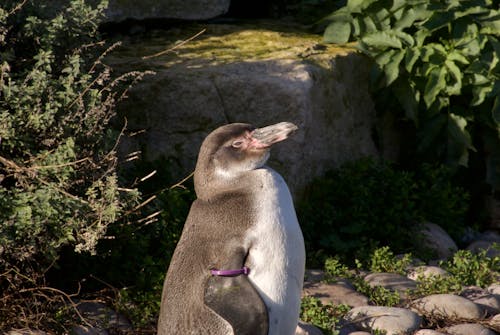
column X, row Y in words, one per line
column 464, row 269
column 383, row 260
column 440, row 60
column 324, row 316
column 365, row 204
column 58, row 180
column 335, row 269
column 473, row 269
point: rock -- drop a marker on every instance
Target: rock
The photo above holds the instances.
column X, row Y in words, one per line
column 313, row 276
column 428, row 332
column 494, row 322
column 304, row 328
column 119, row 10
column 489, row 302
column 88, row 330
column 341, row 292
column 488, row 246
column 249, row 74
column 468, row 329
column 392, row 320
column 391, row 281
column 100, row 319
column 494, row 289
column 436, row 239
column 427, row 271
column 490, row 235
column 447, row 306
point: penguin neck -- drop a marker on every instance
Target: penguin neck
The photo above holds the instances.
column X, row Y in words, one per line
column 215, row 184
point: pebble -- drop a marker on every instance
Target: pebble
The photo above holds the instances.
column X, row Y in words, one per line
column 478, row 246
column 391, row 281
column 494, row 289
column 444, row 306
column 428, row 332
column 341, row 292
column 438, row 240
column 427, row 271
column 468, row 329
column 304, row 328
column 392, row 320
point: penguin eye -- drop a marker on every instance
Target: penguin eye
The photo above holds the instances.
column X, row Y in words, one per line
column 237, row 143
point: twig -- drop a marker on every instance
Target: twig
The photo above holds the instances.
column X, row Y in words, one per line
column 64, row 294
column 179, row 184
column 175, row 46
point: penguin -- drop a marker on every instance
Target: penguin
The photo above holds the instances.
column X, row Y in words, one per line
column 238, row 267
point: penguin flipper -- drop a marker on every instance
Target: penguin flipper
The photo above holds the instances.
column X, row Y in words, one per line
column 237, row 301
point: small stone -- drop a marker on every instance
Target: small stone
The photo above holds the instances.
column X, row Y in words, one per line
column 468, row 329
column 391, row 281
column 427, row 271
column 490, row 235
column 101, row 317
column 494, row 289
column 88, row 330
column 392, row 320
column 489, row 302
column 444, row 306
column 341, row 292
column 494, row 322
column 313, row 276
column 428, row 332
column 478, row 246
column 304, row 328
column 438, row 240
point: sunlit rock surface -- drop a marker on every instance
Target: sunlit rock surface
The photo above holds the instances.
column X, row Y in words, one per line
column 257, row 74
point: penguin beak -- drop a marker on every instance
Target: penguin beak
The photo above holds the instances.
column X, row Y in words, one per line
column 267, row 136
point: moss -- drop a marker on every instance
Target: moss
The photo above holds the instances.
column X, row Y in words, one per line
column 228, row 43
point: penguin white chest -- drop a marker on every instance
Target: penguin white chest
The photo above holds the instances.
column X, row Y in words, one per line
column 277, row 253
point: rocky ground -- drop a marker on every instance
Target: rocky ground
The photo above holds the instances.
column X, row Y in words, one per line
column 473, row 310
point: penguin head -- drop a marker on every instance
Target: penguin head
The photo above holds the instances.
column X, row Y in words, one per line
column 235, row 149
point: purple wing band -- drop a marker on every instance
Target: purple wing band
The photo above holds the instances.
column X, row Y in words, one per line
column 230, row 273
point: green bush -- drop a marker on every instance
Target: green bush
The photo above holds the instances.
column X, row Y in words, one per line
column 440, row 60
column 58, row 161
column 324, row 316
column 364, row 204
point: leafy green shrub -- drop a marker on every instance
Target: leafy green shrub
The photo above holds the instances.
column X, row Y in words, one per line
column 58, row 180
column 326, row 317
column 440, row 60
column 383, row 260
column 364, row 204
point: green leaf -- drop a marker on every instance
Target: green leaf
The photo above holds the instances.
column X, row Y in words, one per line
column 337, row 32
column 453, row 69
column 435, row 84
column 357, row 6
column 479, row 93
column 382, row 40
column 412, row 55
column 459, row 140
column 495, row 111
column 407, row 19
column 439, row 20
column 408, row 97
column 392, row 68
column 456, row 55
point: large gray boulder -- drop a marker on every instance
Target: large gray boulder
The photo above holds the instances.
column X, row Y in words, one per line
column 119, row 10
column 255, row 75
